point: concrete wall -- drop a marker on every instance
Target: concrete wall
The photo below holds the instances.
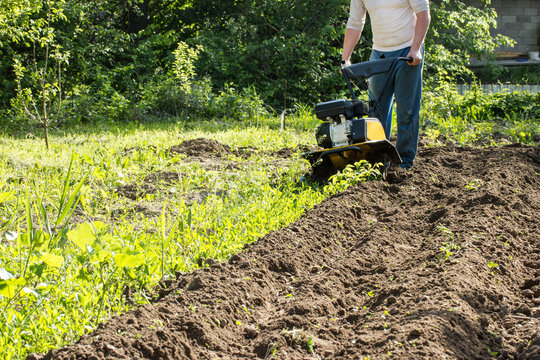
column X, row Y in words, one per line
column 497, row 88
column 518, row 19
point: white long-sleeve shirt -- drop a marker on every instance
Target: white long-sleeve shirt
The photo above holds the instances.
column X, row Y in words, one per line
column 392, row 21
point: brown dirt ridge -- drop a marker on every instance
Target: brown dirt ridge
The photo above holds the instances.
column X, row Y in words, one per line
column 441, row 263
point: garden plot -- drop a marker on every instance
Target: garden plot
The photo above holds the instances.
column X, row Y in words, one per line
column 444, row 262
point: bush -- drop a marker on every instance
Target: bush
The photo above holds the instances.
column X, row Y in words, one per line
column 271, row 42
column 476, row 105
column 494, row 74
column 476, row 116
column 167, row 97
column 177, row 94
column 229, row 103
column 93, row 104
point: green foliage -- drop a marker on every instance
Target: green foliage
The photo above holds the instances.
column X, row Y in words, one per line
column 474, row 184
column 273, row 41
column 164, row 96
column 182, row 95
column 14, row 18
column 96, row 104
column 101, row 45
column 99, row 37
column 230, row 103
column 353, row 175
column 139, row 56
column 473, row 117
column 168, row 97
column 457, row 32
column 38, row 75
column 184, row 17
column 448, row 247
column 310, row 345
column 496, row 74
column 183, row 66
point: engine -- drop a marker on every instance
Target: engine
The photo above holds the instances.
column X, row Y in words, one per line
column 345, row 124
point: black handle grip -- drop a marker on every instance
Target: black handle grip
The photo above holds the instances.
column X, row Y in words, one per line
column 407, row 59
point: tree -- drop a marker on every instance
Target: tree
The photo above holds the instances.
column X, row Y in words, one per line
column 38, row 74
column 117, row 48
column 457, row 32
column 270, row 41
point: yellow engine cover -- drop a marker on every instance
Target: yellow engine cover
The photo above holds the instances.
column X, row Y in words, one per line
column 374, row 129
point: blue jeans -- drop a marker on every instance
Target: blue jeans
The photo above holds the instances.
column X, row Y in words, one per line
column 404, row 84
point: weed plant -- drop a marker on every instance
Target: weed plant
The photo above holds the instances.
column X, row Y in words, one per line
column 479, row 118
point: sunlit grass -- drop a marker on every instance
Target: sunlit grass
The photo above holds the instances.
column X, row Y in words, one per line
column 78, row 270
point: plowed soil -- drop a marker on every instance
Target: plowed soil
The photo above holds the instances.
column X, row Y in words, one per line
column 443, row 262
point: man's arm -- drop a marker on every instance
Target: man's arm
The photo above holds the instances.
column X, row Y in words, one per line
column 355, row 25
column 352, row 36
column 423, row 18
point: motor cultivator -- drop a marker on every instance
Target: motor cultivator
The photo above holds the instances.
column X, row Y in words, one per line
column 350, row 131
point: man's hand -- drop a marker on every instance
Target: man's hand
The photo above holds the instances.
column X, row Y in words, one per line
column 416, row 55
column 345, row 63
column 423, row 18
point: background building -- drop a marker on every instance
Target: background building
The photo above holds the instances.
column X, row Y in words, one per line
column 518, row 19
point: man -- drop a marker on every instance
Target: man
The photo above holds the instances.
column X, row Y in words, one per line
column 399, row 29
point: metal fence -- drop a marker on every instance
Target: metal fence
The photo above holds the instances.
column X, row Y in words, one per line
column 495, row 88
